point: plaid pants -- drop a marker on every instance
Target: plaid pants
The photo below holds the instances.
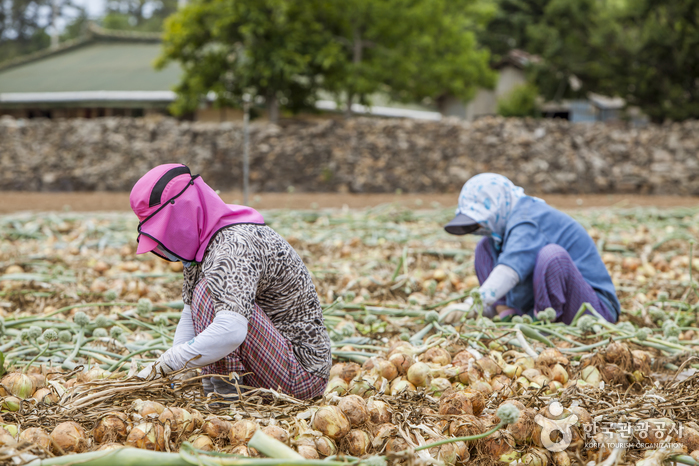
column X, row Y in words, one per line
column 557, row 282
column 266, row 357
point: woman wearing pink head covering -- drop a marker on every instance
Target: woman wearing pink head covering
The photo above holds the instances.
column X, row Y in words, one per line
column 250, row 305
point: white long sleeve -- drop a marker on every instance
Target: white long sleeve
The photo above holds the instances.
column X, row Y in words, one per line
column 227, row 331
column 500, row 281
column 185, row 327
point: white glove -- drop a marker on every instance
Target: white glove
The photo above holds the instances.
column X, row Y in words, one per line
column 454, row 312
column 160, row 369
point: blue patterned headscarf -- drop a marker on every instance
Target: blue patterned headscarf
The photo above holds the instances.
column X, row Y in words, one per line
column 489, row 199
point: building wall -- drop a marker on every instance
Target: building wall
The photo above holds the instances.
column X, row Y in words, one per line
column 486, row 101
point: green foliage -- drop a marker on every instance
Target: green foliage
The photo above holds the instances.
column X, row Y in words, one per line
column 22, row 28
column 274, row 49
column 659, row 64
column 138, row 15
column 519, row 102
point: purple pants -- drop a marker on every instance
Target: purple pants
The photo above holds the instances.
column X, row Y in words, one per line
column 557, row 282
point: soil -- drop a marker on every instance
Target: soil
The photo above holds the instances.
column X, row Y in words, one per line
column 111, row 201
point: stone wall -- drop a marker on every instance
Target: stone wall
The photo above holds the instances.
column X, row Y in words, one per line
column 358, row 155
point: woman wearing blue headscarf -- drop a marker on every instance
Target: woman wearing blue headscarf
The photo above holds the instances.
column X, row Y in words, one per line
column 532, row 256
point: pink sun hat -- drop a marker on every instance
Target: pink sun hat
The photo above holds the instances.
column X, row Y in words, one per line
column 181, row 213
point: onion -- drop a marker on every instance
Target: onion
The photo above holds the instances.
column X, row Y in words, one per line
column 401, row 347
column 308, row 452
column 38, row 379
column 498, row 444
column 11, row 403
column 482, row 386
column 358, row 442
column 36, row 436
column 46, row 396
column 242, row 431
column 584, row 417
column 69, row 437
column 241, row 450
column 197, row 418
column 362, row 387
column 147, row 436
column 466, row 426
column 402, row 362
column 455, row 403
column 438, row 356
column 110, row 447
column 216, row 428
column 439, row 385
column 385, row 369
column 379, row 413
column 325, row 446
column 561, row 458
column 179, row 419
column 559, row 374
column 446, row 453
column 477, row 400
column 355, row 409
column 695, row 455
column 462, row 358
column 330, row 421
column 6, row 439
column 512, row 370
column 419, row 374
column 96, row 373
column 19, row 385
column 147, row 409
column 689, row 438
column 470, row 373
column 202, row 442
column 489, row 366
column 112, row 427
column 522, row 429
column 618, row 353
column 382, row 434
column 535, row 457
column 400, row 385
column 551, row 356
column 531, row 374
column 546, row 412
column 591, row 375
column 613, row 374
column 396, row 444
column 277, row 433
column 642, row 361
column 348, row 371
column 336, row 385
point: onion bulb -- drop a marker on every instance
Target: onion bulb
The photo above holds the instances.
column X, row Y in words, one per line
column 559, row 374
column 355, row 409
column 19, row 385
column 202, row 442
column 382, row 434
column 241, row 450
column 551, row 356
column 439, row 385
column 179, row 419
column 358, row 442
column 455, row 403
column 399, row 385
column 277, row 433
column 11, row 403
column 70, row 437
column 462, row 358
column 419, row 374
column 147, row 409
column 216, row 428
column 325, row 446
column 336, row 385
column 396, row 444
column 561, row 458
column 379, row 412
column 6, row 439
column 535, row 457
column 308, row 452
column 242, row 431
column 46, row 396
column 330, row 421
column 498, row 444
column 466, row 426
column 591, row 375
column 196, row 417
column 112, row 427
column 402, row 362
column 436, row 355
column 147, row 436
column 385, row 369
column 110, row 447
column 36, row 436
column 38, row 379
column 446, row 453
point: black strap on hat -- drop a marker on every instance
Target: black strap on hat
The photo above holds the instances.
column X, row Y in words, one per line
column 156, row 194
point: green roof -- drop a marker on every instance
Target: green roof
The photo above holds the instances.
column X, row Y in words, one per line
column 94, row 64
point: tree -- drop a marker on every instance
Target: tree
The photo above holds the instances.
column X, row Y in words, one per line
column 409, row 49
column 271, row 49
column 138, row 15
column 658, row 65
column 22, row 27
column 519, row 102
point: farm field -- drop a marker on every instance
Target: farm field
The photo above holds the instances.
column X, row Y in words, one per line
column 81, row 314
